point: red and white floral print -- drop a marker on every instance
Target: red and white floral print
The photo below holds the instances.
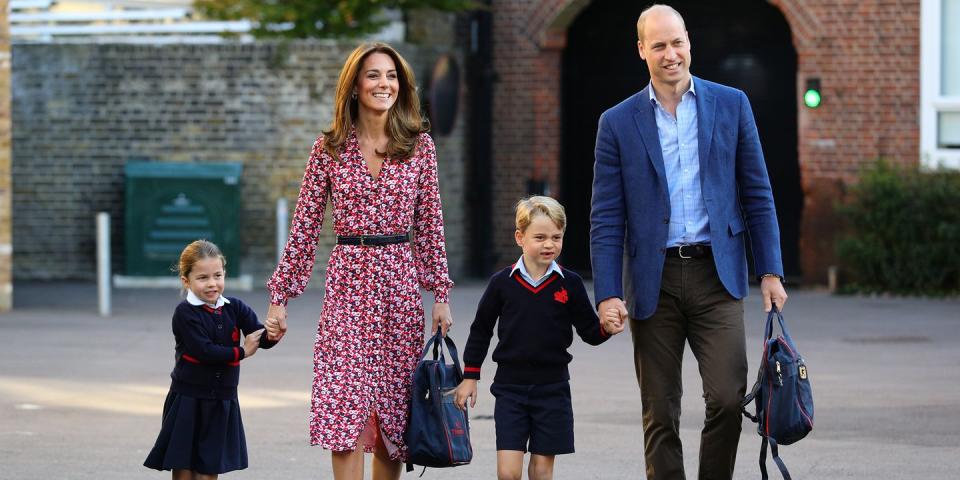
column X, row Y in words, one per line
column 371, row 326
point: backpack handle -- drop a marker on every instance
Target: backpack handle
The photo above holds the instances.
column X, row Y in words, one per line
column 768, row 330
column 436, row 342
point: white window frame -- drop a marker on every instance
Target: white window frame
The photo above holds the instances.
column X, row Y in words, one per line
column 931, row 101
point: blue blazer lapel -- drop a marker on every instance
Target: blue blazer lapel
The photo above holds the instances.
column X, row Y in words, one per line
column 706, row 121
column 646, row 121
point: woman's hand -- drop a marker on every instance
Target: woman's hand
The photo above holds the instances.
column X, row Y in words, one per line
column 276, row 322
column 441, row 317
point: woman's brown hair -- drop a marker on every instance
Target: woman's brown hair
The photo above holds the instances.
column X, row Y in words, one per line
column 404, row 122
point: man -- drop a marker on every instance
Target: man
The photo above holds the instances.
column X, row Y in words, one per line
column 679, row 179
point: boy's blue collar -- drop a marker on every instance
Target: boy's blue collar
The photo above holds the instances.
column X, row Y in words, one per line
column 554, row 267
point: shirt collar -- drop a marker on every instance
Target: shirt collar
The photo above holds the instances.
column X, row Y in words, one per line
column 554, row 267
column 653, row 94
column 194, row 300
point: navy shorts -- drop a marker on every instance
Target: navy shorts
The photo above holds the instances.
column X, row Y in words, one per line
column 534, row 418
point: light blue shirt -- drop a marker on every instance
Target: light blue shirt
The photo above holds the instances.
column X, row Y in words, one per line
column 554, row 267
column 681, row 161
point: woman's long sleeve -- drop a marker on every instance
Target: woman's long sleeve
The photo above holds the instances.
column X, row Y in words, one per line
column 296, row 264
column 430, row 253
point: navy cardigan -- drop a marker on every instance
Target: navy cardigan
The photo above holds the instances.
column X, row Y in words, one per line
column 209, row 347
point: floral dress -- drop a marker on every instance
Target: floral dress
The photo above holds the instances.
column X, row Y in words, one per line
column 370, row 333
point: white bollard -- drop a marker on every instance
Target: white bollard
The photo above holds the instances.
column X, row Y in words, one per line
column 103, row 263
column 283, row 223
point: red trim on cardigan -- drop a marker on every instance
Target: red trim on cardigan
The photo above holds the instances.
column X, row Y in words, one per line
column 536, row 289
column 190, row 359
column 471, row 369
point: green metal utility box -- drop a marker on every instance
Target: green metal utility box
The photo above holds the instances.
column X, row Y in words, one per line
column 169, row 205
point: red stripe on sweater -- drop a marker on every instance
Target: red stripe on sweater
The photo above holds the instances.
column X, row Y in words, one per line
column 536, row 289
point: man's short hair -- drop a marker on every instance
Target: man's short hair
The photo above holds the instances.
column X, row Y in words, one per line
column 646, row 13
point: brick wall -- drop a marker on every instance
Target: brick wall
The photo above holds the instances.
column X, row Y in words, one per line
column 81, row 111
column 6, row 285
column 866, row 54
column 526, row 109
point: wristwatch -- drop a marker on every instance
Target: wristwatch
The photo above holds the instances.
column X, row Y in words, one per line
column 765, row 275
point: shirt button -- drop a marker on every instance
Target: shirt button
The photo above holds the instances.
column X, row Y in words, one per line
column 666, row 220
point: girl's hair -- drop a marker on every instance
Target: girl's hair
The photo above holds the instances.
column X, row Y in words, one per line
column 196, row 251
column 404, row 122
column 539, row 205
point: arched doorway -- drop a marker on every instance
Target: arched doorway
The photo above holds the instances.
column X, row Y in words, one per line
column 742, row 43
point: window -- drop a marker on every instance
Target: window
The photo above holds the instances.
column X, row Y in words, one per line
column 940, row 83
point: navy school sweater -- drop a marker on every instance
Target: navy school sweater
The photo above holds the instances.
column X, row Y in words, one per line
column 534, row 326
column 209, row 347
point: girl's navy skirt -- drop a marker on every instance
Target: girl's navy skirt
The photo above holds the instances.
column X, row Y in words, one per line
column 198, row 434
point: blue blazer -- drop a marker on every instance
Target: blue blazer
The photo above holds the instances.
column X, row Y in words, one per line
column 630, row 209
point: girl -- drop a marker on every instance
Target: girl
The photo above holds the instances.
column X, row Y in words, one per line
column 202, row 433
column 378, row 167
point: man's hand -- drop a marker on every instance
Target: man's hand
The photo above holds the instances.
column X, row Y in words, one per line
column 616, row 304
column 611, row 321
column 773, row 292
column 276, row 322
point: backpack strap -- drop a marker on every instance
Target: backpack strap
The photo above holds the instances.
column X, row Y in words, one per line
column 776, row 458
column 410, row 469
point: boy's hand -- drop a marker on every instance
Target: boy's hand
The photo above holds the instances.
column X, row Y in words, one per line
column 251, row 343
column 466, row 390
column 612, row 321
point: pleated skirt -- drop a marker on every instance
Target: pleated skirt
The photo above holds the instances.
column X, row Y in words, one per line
column 198, row 434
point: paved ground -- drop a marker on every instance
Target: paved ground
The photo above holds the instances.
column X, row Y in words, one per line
column 80, row 395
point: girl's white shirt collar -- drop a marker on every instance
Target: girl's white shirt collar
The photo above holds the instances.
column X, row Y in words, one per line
column 194, row 300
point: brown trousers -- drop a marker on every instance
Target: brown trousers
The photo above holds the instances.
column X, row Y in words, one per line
column 694, row 307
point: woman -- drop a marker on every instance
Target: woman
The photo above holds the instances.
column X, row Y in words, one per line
column 378, row 166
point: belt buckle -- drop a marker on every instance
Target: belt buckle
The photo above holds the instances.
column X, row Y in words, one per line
column 363, row 240
column 680, row 251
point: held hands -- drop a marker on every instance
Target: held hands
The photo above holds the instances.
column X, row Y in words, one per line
column 773, row 292
column 276, row 322
column 466, row 390
column 613, row 315
column 251, row 343
column 441, row 316
column 612, row 322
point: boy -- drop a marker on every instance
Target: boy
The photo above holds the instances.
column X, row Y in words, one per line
column 536, row 302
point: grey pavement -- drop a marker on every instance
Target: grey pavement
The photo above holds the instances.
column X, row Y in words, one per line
column 81, row 395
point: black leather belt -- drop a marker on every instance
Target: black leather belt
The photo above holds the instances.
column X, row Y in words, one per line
column 690, row 251
column 373, row 240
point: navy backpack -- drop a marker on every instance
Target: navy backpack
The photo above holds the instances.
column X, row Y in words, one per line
column 438, row 434
column 782, row 395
